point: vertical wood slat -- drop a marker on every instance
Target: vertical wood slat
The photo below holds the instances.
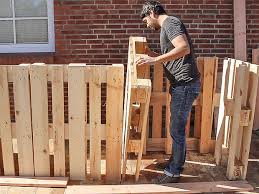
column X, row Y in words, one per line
column 95, row 123
column 157, row 107
column 221, row 117
column 251, row 102
column 244, row 91
column 237, row 99
column 23, row 119
column 127, row 111
column 5, row 124
column 115, row 81
column 144, row 109
column 198, row 107
column 230, row 90
column 144, row 73
column 57, row 73
column 207, row 101
column 39, row 111
column 77, row 123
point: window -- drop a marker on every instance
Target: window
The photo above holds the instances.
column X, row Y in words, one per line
column 26, row 26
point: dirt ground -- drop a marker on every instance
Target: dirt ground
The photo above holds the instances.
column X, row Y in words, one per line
column 198, row 167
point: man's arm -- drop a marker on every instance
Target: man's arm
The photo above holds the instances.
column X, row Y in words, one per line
column 181, row 48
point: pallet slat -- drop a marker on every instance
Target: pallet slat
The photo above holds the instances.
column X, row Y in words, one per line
column 95, row 123
column 114, row 123
column 58, row 119
column 251, row 103
column 5, row 124
column 207, row 101
column 240, row 73
column 221, row 116
column 23, row 120
column 77, row 116
column 39, row 110
column 57, row 182
column 157, row 107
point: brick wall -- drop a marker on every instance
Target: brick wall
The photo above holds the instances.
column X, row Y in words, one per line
column 97, row 31
column 252, row 26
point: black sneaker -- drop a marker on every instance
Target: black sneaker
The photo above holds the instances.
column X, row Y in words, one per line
column 163, row 179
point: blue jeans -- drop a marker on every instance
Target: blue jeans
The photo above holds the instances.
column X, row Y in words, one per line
column 180, row 106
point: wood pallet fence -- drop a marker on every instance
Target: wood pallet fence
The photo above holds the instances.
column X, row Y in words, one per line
column 34, row 138
column 200, row 137
column 236, row 115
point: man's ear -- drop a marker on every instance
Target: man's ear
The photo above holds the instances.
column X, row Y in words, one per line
column 152, row 14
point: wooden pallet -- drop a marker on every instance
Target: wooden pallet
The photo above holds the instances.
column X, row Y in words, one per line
column 236, row 115
column 199, row 138
column 34, row 133
column 137, row 94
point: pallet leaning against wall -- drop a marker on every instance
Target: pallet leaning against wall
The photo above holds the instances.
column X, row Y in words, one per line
column 236, row 115
column 34, row 138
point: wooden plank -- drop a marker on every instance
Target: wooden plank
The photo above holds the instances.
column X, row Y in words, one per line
column 239, row 8
column 23, row 120
column 39, row 110
column 207, row 101
column 244, row 91
column 255, row 60
column 239, row 77
column 59, row 182
column 95, row 122
column 58, row 119
column 221, row 117
column 251, row 102
column 144, row 108
column 5, row 124
column 114, row 119
column 157, row 108
column 127, row 113
column 77, row 115
column 198, row 108
column 143, row 72
column 230, row 93
column 196, row 187
column 131, row 63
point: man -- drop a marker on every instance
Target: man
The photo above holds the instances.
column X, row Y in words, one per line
column 180, row 68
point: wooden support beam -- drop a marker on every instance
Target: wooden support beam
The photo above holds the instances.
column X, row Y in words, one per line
column 240, row 29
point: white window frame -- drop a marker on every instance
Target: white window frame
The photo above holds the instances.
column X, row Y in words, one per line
column 31, row 48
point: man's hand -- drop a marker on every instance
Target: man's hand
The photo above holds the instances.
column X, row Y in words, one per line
column 146, row 60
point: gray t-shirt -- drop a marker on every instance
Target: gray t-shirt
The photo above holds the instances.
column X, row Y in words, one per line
column 183, row 70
